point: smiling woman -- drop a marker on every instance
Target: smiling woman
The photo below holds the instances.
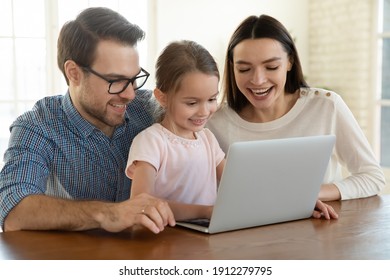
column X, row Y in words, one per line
column 267, row 97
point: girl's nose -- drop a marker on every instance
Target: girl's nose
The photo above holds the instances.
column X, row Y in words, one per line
column 204, row 109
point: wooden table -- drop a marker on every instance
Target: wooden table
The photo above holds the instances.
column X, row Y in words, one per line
column 362, row 232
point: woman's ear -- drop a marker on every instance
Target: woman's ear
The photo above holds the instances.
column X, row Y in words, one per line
column 73, row 72
column 160, row 97
column 290, row 64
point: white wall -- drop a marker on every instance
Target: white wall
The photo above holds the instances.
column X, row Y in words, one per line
column 342, row 48
column 212, row 22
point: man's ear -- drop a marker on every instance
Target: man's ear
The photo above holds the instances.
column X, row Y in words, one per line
column 160, row 97
column 73, row 72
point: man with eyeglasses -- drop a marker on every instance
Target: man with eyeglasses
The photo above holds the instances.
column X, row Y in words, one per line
column 64, row 167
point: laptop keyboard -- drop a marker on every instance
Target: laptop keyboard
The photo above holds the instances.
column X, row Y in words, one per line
column 200, row 222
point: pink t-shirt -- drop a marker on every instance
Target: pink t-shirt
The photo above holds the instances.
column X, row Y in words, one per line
column 186, row 169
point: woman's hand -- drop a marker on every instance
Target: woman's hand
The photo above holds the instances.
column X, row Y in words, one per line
column 324, row 210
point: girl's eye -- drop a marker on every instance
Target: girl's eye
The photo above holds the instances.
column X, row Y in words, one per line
column 191, row 103
column 242, row 70
column 273, row 68
column 213, row 99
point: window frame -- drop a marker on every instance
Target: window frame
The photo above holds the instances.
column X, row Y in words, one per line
column 381, row 102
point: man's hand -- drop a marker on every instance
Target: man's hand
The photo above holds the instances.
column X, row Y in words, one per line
column 144, row 209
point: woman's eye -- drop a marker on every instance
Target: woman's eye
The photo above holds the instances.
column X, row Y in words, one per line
column 273, row 68
column 243, row 70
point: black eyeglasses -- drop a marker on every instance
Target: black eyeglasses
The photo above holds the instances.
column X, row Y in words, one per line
column 119, row 85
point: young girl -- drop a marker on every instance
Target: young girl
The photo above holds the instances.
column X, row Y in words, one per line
column 178, row 159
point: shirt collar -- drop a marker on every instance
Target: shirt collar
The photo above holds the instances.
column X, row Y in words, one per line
column 82, row 125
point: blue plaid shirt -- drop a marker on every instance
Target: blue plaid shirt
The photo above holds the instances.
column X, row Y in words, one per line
column 54, row 151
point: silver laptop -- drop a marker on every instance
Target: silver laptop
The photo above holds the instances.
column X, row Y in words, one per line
column 268, row 181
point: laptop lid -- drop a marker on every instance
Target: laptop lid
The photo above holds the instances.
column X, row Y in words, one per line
column 269, row 181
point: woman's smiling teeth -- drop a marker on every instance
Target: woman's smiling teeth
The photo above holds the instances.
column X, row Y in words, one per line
column 261, row 92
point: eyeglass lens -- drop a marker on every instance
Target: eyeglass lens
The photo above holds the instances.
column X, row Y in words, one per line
column 120, row 85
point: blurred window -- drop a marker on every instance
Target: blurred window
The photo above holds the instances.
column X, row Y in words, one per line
column 384, row 81
column 28, row 38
